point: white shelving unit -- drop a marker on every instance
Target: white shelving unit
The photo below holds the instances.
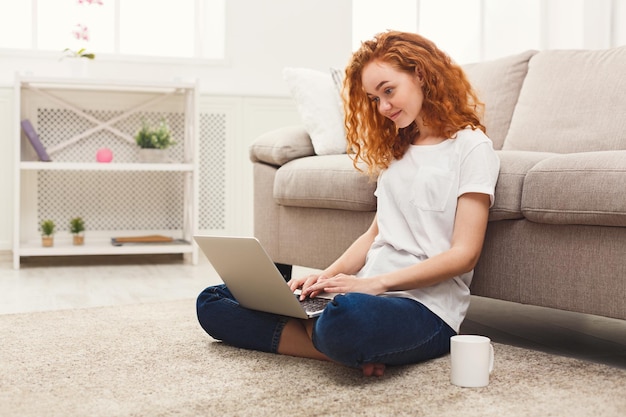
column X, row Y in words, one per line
column 76, row 117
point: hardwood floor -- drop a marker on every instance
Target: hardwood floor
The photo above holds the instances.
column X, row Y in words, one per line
column 64, row 283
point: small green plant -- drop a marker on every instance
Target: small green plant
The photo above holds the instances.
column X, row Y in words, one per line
column 81, row 53
column 154, row 138
column 47, row 227
column 77, row 225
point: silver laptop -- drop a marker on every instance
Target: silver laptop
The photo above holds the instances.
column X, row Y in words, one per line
column 253, row 279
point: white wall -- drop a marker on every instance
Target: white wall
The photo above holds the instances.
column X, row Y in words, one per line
column 265, row 36
column 6, row 168
column 262, row 37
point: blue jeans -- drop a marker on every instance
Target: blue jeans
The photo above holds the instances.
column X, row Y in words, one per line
column 353, row 330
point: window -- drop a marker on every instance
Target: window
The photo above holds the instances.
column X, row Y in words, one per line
column 179, row 29
column 456, row 26
column 476, row 30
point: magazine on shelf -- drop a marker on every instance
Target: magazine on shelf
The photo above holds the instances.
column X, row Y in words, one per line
column 33, row 137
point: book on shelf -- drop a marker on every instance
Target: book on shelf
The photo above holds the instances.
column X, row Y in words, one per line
column 142, row 240
column 33, row 137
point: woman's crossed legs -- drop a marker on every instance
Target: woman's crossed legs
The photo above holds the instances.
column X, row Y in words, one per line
column 357, row 330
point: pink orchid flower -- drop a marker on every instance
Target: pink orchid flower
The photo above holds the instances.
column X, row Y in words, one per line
column 81, row 32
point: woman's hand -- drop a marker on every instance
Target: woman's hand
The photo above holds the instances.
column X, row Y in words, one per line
column 343, row 283
column 351, row 261
column 303, row 283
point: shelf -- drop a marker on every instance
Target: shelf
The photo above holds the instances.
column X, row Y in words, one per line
column 96, row 166
column 107, row 85
column 100, row 247
column 77, row 116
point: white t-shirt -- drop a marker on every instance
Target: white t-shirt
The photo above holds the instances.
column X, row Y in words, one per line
column 417, row 200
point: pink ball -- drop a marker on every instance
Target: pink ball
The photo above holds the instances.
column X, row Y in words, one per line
column 104, row 155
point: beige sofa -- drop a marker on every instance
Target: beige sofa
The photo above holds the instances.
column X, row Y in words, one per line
column 557, row 232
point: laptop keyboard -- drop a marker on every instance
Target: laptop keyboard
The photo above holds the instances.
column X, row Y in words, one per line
column 311, row 305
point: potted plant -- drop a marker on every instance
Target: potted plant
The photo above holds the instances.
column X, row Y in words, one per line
column 78, row 58
column 154, row 141
column 77, row 227
column 47, row 233
column 80, row 53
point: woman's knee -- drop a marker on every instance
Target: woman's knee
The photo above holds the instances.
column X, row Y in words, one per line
column 342, row 313
column 339, row 329
column 221, row 316
column 207, row 306
column 359, row 328
column 209, row 295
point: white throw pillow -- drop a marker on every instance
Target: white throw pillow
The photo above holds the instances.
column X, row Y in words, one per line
column 319, row 107
column 337, row 76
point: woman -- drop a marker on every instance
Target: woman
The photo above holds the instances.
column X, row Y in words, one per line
column 403, row 286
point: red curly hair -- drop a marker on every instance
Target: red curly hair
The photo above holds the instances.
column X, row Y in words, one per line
column 450, row 103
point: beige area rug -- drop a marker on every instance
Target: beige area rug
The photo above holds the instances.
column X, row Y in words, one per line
column 154, row 360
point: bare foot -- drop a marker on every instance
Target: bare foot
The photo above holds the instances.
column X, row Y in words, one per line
column 373, row 369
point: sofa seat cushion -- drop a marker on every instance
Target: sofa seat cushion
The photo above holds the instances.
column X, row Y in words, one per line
column 571, row 101
column 325, row 181
column 583, row 188
column 514, row 165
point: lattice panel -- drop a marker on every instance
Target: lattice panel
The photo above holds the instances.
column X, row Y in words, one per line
column 112, row 200
column 212, row 185
column 56, row 125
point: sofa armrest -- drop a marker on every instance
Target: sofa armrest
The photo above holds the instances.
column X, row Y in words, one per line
column 282, row 145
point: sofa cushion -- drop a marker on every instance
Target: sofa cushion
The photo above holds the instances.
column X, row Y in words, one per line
column 498, row 84
column 514, row 165
column 280, row 146
column 571, row 101
column 320, row 108
column 328, row 181
column 583, row 188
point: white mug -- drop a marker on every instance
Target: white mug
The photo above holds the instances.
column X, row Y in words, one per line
column 471, row 360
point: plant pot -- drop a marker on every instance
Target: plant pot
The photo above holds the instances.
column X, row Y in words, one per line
column 47, row 241
column 78, row 240
column 153, row 156
column 77, row 67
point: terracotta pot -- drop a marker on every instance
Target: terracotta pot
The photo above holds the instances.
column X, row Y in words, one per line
column 79, row 240
column 47, row 241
